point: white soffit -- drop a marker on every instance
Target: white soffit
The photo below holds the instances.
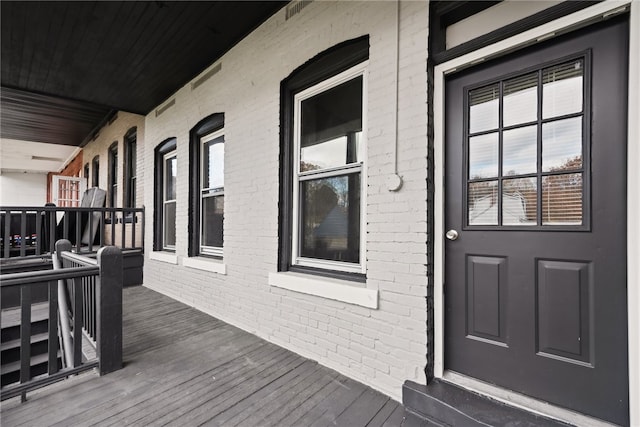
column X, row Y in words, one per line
column 34, row 157
column 505, row 13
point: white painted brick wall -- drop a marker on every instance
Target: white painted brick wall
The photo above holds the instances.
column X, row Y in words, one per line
column 382, row 347
column 110, row 133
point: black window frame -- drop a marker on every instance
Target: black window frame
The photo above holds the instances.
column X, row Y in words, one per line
column 112, row 176
column 164, row 148
column 323, row 66
column 95, row 171
column 204, row 127
column 130, row 169
column 539, row 174
column 87, row 174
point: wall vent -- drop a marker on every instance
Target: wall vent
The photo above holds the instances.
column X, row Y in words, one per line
column 295, row 7
column 165, row 107
column 206, row 76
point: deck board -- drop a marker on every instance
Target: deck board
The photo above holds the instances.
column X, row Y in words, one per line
column 183, row 368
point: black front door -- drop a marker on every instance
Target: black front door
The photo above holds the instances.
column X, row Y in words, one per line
column 535, row 280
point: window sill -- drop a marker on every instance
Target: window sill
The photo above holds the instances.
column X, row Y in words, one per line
column 167, row 257
column 334, row 289
column 205, row 264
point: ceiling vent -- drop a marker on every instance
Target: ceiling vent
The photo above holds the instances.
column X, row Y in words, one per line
column 165, row 107
column 295, row 7
column 206, row 76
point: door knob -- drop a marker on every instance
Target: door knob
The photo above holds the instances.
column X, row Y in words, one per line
column 452, row 235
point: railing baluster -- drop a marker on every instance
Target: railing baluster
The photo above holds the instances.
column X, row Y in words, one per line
column 53, row 328
column 90, row 235
column 77, row 322
column 23, row 233
column 38, row 242
column 7, row 228
column 25, row 333
column 124, row 230
column 113, row 228
column 79, row 232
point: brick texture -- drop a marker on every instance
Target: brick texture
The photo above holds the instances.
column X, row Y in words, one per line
column 381, row 347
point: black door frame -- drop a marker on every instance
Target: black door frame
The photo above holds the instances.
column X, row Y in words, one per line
column 562, row 25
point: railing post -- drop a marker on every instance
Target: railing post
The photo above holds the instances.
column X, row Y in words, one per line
column 109, row 309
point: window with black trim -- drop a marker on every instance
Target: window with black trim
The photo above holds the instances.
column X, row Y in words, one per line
column 323, row 169
column 166, row 171
column 206, row 192
column 130, row 144
column 113, row 175
column 86, row 175
column 527, row 149
column 95, row 168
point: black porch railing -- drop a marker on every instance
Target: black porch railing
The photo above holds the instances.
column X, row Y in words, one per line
column 29, row 230
column 83, row 293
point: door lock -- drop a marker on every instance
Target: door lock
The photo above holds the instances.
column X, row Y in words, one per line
column 452, row 235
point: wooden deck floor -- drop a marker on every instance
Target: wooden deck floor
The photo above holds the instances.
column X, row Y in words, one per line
column 185, row 368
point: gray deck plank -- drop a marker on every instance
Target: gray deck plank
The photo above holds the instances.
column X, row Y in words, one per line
column 383, row 414
column 183, row 368
column 362, row 410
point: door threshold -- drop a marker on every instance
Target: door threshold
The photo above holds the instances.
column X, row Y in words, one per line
column 523, row 402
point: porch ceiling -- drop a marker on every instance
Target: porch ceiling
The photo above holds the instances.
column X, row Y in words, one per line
column 66, row 66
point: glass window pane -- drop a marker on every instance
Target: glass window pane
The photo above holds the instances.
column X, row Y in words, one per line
column 213, row 163
column 520, row 103
column 519, row 201
column 519, row 151
column 482, row 203
column 330, row 218
column 562, row 199
column 562, row 145
column 562, row 89
column 483, row 156
column 331, row 124
column 170, row 173
column 170, row 224
column 483, row 108
column 212, row 220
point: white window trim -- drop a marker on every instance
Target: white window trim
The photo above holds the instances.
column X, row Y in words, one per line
column 219, row 191
column 205, row 264
column 161, row 256
column 575, row 20
column 167, row 156
column 360, row 167
column 338, row 290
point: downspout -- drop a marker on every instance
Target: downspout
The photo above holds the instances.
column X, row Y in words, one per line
column 394, row 181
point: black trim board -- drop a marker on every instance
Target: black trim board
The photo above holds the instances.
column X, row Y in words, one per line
column 166, row 146
column 438, row 23
column 204, row 127
column 326, row 64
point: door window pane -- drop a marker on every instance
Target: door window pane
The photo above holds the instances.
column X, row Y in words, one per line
column 562, row 199
column 520, row 154
column 330, row 218
column 562, row 145
column 483, row 108
column 483, row 156
column 331, row 126
column 520, row 100
column 212, row 220
column 483, row 203
column 519, row 201
column 562, row 89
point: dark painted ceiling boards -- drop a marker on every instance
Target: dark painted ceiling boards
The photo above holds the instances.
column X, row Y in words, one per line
column 105, row 55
